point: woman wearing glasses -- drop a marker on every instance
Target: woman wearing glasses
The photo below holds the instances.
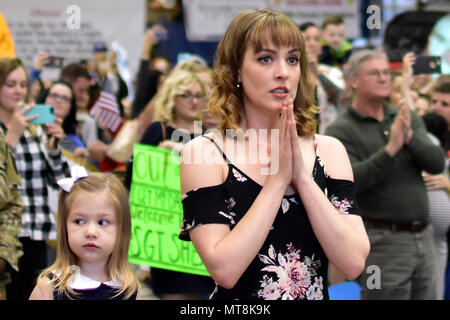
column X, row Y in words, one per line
column 180, row 101
column 179, row 104
column 61, row 96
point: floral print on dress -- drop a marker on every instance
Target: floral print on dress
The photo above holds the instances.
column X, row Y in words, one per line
column 342, row 206
column 285, row 205
column 228, row 216
column 230, row 203
column 295, row 279
column 239, row 177
column 186, row 226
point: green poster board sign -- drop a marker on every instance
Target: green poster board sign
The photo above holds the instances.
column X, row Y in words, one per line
column 157, row 213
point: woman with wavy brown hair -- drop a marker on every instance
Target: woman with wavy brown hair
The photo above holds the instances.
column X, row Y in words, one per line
column 227, row 101
column 264, row 211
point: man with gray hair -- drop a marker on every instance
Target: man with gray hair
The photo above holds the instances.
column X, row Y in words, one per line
column 389, row 148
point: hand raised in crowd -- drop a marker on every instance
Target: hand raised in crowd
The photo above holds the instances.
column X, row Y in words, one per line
column 40, row 59
column 18, row 123
column 408, row 79
column 407, row 71
column 150, row 40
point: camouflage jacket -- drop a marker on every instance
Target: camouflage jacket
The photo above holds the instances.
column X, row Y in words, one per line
column 10, row 209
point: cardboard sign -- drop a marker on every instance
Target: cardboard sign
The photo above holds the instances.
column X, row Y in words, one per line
column 157, row 213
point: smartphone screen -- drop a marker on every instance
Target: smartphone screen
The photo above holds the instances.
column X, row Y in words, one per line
column 427, row 65
column 55, row 62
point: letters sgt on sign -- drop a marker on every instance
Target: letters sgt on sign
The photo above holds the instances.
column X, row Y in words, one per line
column 157, row 213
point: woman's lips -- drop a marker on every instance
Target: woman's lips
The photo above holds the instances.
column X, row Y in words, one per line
column 280, row 92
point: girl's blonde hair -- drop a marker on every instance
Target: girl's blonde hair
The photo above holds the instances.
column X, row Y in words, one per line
column 118, row 268
column 174, row 85
column 254, row 28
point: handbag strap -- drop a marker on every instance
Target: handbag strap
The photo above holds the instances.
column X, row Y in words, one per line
column 163, row 128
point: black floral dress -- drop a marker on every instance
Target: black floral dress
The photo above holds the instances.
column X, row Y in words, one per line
column 291, row 263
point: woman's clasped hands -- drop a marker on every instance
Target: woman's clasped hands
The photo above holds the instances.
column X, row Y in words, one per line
column 291, row 168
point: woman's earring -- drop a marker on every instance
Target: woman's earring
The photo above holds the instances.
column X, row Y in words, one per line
column 238, row 85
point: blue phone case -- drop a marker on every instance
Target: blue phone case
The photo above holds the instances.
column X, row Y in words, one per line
column 45, row 112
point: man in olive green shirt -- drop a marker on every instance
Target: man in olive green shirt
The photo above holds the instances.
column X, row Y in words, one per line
column 389, row 148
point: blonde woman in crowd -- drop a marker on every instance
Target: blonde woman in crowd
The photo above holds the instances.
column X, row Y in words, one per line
column 177, row 106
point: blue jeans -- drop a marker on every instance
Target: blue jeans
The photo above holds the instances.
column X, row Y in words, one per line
column 406, row 263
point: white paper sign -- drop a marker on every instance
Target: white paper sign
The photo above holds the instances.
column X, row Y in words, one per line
column 208, row 19
column 69, row 28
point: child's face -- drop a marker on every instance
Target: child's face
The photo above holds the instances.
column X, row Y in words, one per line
column 92, row 228
column 334, row 34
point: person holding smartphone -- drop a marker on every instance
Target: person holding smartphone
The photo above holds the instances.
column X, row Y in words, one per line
column 388, row 149
column 60, row 96
column 39, row 163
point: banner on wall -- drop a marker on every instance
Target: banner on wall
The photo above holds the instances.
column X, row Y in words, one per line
column 157, row 213
column 69, row 28
column 207, row 20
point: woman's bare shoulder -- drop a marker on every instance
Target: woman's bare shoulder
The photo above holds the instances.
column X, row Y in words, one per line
column 202, row 164
column 334, row 156
column 328, row 142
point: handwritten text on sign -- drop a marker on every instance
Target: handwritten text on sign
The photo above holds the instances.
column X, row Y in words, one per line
column 156, row 213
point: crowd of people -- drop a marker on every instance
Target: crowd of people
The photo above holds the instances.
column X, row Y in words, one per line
column 351, row 172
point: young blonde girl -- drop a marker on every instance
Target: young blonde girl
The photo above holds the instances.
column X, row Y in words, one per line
column 94, row 230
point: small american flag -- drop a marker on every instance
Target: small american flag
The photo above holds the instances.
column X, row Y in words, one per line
column 106, row 111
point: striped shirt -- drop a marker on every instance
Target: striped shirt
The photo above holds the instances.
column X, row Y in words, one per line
column 439, row 210
column 38, row 167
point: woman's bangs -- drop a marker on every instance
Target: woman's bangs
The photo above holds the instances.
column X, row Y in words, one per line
column 276, row 31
